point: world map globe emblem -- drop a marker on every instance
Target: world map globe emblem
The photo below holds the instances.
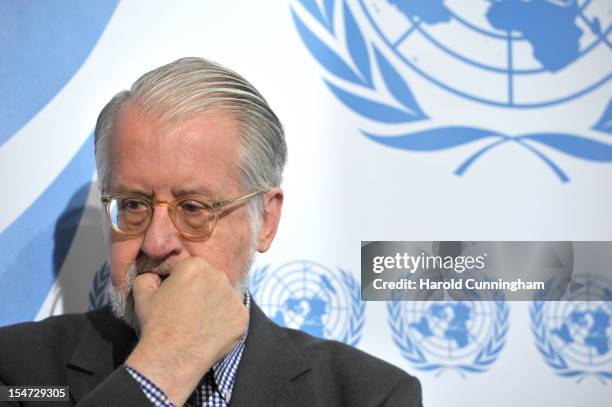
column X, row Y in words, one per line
column 575, row 335
column 308, row 296
column 510, row 54
column 465, row 336
column 501, row 52
column 449, row 330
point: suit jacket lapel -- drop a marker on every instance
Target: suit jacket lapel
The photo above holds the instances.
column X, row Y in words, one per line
column 272, row 371
column 104, row 345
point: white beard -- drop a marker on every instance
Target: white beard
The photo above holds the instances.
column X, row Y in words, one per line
column 122, row 300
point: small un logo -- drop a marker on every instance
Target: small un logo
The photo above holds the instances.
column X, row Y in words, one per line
column 464, row 336
column 575, row 336
column 504, row 56
column 98, row 293
column 305, row 295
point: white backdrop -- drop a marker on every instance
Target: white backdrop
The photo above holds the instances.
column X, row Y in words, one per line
column 341, row 187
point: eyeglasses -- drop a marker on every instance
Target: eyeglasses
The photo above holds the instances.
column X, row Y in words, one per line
column 193, row 216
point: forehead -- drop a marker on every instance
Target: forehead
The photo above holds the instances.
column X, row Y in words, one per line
column 197, row 154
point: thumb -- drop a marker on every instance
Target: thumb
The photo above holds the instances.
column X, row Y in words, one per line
column 144, row 287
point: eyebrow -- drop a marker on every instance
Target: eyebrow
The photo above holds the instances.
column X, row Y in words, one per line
column 137, row 191
column 192, row 191
column 177, row 192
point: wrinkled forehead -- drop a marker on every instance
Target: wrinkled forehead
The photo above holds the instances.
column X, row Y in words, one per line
column 149, row 154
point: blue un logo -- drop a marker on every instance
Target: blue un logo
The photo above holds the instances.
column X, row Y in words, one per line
column 464, row 336
column 313, row 298
column 575, row 336
column 501, row 58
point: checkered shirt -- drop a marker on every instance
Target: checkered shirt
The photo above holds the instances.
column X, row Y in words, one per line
column 215, row 388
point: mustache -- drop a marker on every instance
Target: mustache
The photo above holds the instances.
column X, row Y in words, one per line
column 145, row 264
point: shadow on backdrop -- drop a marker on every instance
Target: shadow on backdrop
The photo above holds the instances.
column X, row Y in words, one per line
column 79, row 252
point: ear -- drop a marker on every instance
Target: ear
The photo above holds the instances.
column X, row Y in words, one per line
column 272, row 206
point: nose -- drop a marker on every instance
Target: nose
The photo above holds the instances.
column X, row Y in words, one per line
column 161, row 239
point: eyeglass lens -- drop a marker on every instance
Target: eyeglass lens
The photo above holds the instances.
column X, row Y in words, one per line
column 132, row 215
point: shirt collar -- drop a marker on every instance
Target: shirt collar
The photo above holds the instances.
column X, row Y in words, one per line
column 224, row 371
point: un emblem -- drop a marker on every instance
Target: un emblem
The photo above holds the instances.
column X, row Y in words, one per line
column 98, row 294
column 575, row 336
column 463, row 336
column 308, row 296
column 512, row 56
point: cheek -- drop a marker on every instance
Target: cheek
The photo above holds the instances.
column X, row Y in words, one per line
column 121, row 255
column 229, row 247
column 238, row 247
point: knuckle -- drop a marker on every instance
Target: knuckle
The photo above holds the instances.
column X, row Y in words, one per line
column 190, row 267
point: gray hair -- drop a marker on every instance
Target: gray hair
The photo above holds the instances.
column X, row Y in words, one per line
column 189, row 86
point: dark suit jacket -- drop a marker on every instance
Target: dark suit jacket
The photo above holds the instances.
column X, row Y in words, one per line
column 279, row 367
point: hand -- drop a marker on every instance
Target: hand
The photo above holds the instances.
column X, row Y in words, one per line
column 187, row 324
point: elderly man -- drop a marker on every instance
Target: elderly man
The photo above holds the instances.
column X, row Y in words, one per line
column 190, row 163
